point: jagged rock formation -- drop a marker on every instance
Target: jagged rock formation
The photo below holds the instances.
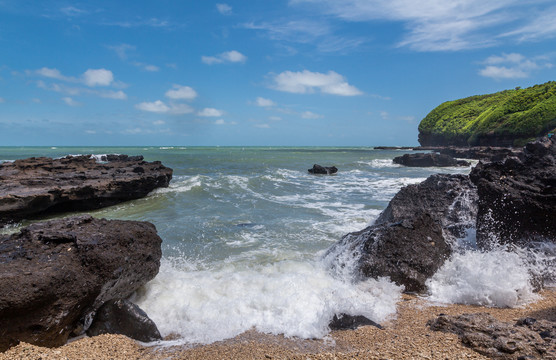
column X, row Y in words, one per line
column 413, row 236
column 324, row 170
column 120, row 316
column 55, row 275
column 429, row 160
column 517, row 197
column 528, row 338
column 37, row 186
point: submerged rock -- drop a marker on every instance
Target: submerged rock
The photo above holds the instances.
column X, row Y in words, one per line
column 325, row 170
column 123, row 317
column 39, row 186
column 517, row 197
column 54, row 275
column 528, row 338
column 429, row 160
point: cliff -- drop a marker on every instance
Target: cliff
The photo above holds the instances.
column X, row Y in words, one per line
column 505, row 118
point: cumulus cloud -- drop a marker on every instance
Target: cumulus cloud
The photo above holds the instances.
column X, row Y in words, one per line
column 69, row 101
column 310, row 115
column 210, row 112
column 224, row 9
column 307, row 82
column 160, row 107
column 225, row 57
column 179, row 92
column 264, row 102
column 53, row 74
column 512, row 66
column 98, row 77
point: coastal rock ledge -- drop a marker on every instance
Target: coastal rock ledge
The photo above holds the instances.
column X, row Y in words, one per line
column 54, row 275
column 35, row 187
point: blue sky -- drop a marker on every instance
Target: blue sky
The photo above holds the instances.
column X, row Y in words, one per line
column 298, row 72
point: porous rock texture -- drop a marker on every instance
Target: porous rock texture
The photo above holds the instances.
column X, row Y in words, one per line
column 528, row 338
column 54, row 275
column 517, row 196
column 429, row 160
column 413, row 236
column 38, row 186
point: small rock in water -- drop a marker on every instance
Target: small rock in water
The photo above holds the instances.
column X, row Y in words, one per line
column 125, row 318
column 345, row 322
column 317, row 169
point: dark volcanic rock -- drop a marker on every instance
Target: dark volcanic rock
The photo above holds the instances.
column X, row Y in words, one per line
column 123, row 317
column 517, row 197
column 350, row 322
column 485, row 153
column 428, row 160
column 37, row 186
column 54, row 275
column 412, row 237
column 527, row 338
column 325, row 170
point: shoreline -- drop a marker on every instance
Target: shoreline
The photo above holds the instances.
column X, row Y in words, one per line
column 405, row 336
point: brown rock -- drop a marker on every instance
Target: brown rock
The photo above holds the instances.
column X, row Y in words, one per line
column 36, row 186
column 54, row 275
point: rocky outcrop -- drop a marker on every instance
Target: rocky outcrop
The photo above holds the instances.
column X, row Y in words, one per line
column 413, row 236
column 528, row 338
column 517, row 197
column 324, row 170
column 37, row 186
column 55, row 275
column 484, row 153
column 120, row 316
column 350, row 322
column 429, row 160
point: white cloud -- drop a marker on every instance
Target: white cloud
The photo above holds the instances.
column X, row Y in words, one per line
column 98, row 77
column 69, row 101
column 224, row 9
column 210, row 112
column 306, row 82
column 159, row 122
column 229, row 56
column 122, row 50
column 512, row 66
column 179, row 92
column 90, row 132
column 275, row 118
column 116, row 95
column 220, row 122
column 439, row 25
column 262, row 126
column 310, row 115
column 264, row 102
column 151, row 68
column 156, row 107
column 160, row 107
column 384, row 115
column 53, row 74
column 72, row 11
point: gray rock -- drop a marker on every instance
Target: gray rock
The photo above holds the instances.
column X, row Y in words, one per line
column 429, row 160
column 324, row 170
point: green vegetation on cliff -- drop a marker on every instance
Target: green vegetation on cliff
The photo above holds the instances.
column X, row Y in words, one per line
column 506, row 118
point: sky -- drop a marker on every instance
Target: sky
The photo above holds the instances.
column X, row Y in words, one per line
column 257, row 73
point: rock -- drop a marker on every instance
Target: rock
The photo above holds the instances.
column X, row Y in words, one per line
column 484, row 153
column 121, row 316
column 54, row 275
column 451, row 200
column 317, row 169
column 428, row 160
column 393, row 147
column 38, row 186
column 350, row 322
column 413, row 236
column 517, row 197
column 498, row 340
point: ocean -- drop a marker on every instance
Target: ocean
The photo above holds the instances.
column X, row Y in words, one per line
column 245, row 232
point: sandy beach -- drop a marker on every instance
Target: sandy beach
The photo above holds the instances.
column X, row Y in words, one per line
column 405, row 337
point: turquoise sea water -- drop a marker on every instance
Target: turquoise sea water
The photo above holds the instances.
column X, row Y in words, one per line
column 244, row 233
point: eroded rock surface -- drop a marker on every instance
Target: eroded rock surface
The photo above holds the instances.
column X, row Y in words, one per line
column 55, row 274
column 429, row 160
column 528, row 338
column 323, row 170
column 38, row 186
column 517, row 197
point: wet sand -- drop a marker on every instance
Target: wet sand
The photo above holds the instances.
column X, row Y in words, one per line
column 405, row 337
